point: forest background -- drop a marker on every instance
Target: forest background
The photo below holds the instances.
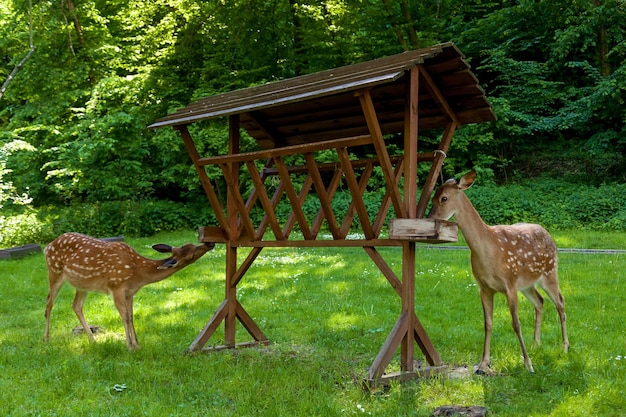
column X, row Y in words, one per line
column 83, row 78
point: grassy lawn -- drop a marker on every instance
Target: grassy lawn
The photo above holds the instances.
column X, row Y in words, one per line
column 327, row 313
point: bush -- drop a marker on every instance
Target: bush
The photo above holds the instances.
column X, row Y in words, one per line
column 111, row 218
column 555, row 205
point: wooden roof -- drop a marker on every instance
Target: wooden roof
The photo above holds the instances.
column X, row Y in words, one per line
column 323, row 105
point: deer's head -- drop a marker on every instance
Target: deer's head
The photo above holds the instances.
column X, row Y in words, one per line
column 447, row 198
column 182, row 256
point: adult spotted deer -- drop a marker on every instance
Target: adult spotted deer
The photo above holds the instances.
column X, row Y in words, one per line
column 504, row 259
column 91, row 264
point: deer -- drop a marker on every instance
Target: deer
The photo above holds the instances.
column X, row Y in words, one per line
column 89, row 264
column 504, row 259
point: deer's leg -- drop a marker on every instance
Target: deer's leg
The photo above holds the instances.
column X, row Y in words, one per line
column 77, row 306
column 551, row 287
column 486, row 296
column 534, row 297
column 124, row 305
column 55, row 282
column 511, row 297
column 131, row 325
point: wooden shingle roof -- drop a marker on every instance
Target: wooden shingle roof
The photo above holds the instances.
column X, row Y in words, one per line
column 323, row 105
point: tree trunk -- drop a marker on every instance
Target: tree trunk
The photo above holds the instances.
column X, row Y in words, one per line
column 602, row 48
column 300, row 60
column 395, row 25
column 411, row 27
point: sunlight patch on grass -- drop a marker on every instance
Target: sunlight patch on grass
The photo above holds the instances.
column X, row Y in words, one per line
column 342, row 321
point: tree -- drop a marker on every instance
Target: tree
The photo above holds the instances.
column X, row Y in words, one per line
column 26, row 57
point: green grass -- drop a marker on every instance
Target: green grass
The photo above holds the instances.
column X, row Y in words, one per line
column 327, row 313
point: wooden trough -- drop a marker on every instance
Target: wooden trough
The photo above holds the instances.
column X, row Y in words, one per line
column 339, row 126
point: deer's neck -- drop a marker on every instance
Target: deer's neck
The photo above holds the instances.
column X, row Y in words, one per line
column 150, row 272
column 479, row 236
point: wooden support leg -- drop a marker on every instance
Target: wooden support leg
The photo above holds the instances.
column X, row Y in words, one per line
column 230, row 311
column 407, row 331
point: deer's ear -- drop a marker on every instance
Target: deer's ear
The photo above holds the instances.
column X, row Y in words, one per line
column 467, row 180
column 163, row 248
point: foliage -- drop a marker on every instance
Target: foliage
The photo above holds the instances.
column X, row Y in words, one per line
column 130, row 218
column 556, row 205
column 327, row 313
column 73, row 119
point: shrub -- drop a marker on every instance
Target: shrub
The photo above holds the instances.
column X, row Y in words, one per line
column 556, row 205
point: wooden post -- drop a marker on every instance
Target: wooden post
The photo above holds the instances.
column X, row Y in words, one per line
column 230, row 321
column 407, row 352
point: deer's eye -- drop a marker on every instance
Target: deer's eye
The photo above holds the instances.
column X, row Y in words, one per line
column 444, row 199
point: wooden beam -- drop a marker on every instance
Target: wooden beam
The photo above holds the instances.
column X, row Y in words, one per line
column 407, row 350
column 410, row 142
column 381, row 150
column 330, row 192
column 320, row 188
column 304, row 191
column 439, row 97
column 386, row 201
column 246, row 264
column 435, row 169
column 287, row 150
column 389, row 347
column 268, row 207
column 357, row 194
column 236, row 204
column 384, row 268
column 204, row 179
column 294, row 199
column 210, row 327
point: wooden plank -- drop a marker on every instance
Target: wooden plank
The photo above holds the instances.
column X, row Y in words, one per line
column 250, row 204
column 436, row 93
column 425, row 344
column 423, row 372
column 389, row 348
column 249, row 324
column 245, row 265
column 379, row 221
column 384, row 268
column 320, row 189
column 243, row 345
column 287, row 150
column 381, row 150
column 357, row 194
column 423, row 230
column 212, row 234
column 238, row 204
column 204, row 180
column 19, row 251
column 326, row 243
column 410, row 143
column 347, row 221
column 265, row 221
column 330, row 192
column 113, row 239
column 308, row 182
column 435, row 169
column 407, row 296
column 210, row 327
column 294, row 199
column 268, row 207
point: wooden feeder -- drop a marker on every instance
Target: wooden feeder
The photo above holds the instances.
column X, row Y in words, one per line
column 354, row 110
